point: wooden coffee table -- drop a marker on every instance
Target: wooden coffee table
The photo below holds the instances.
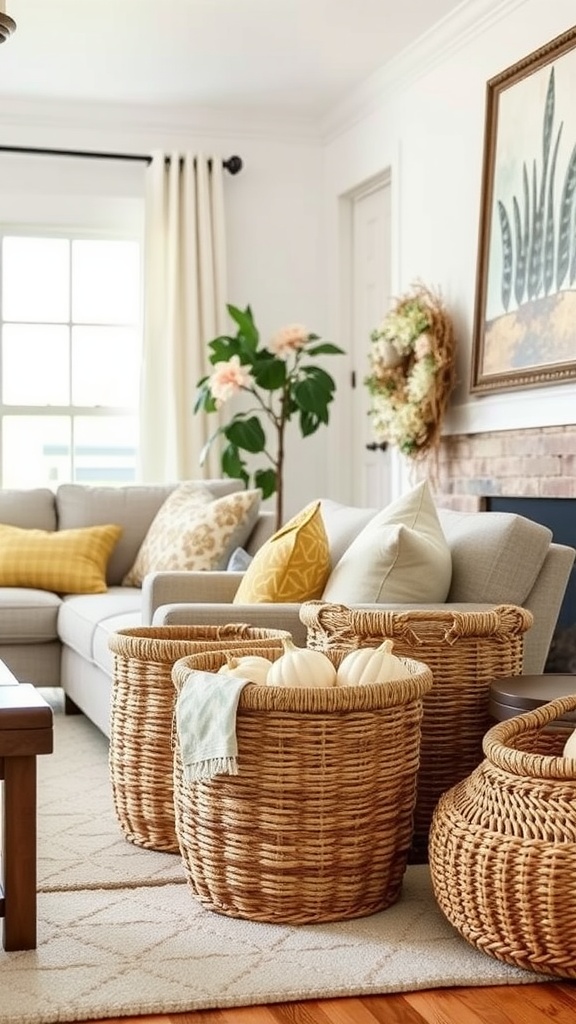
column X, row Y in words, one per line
column 25, row 731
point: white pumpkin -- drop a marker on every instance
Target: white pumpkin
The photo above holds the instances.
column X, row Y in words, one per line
column 299, row 666
column 570, row 746
column 251, row 666
column 370, row 665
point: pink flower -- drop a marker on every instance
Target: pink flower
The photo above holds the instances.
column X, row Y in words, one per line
column 228, row 378
column 289, row 339
column 423, row 346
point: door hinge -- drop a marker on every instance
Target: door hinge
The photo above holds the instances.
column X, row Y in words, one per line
column 353, row 378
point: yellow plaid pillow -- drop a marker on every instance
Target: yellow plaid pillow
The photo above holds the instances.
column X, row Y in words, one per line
column 64, row 561
column 292, row 566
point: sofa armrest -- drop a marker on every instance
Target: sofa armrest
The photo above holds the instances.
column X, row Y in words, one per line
column 160, row 588
column 264, row 616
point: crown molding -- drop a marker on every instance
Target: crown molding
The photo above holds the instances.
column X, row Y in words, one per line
column 448, row 35
column 49, row 118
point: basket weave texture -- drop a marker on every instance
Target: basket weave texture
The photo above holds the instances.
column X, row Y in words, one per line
column 317, row 824
column 464, row 650
column 503, row 846
column 141, row 757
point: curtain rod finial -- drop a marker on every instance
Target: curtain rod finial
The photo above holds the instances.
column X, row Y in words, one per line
column 233, row 164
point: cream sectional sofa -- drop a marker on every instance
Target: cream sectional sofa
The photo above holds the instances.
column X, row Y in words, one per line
column 54, row 640
column 51, row 639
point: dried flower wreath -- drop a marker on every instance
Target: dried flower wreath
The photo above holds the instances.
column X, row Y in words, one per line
column 412, row 373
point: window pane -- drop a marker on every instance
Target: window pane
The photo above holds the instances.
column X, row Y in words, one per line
column 36, row 279
column 105, row 449
column 35, row 451
column 105, row 282
column 35, row 365
column 105, row 366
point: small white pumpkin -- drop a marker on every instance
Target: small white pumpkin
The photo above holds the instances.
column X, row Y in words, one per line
column 570, row 746
column 251, row 666
column 370, row 665
column 299, row 666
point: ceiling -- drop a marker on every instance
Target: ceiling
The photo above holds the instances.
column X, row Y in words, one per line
column 293, row 56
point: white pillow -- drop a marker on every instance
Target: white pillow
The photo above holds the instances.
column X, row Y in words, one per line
column 400, row 557
column 193, row 531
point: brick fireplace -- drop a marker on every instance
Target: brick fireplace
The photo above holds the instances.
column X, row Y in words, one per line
column 534, row 463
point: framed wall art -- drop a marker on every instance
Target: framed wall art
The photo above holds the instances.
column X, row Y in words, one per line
column 525, row 311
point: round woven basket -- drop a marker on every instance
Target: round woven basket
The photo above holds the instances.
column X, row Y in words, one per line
column 464, row 650
column 317, row 823
column 141, row 719
column 503, row 846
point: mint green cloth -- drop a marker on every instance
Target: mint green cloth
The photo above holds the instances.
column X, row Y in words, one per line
column 206, row 724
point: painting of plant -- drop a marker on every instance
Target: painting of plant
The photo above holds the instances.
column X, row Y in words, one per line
column 525, row 317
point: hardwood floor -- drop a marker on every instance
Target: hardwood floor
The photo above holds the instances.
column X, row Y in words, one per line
column 544, row 1003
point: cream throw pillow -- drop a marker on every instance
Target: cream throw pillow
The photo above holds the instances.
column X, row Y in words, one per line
column 401, row 556
column 193, row 531
column 292, row 566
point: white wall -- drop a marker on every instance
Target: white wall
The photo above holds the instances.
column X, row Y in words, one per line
column 424, row 118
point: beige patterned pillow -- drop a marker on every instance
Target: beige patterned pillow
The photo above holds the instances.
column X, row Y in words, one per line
column 193, row 531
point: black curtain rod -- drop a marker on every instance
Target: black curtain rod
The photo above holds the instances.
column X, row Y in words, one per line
column 233, row 164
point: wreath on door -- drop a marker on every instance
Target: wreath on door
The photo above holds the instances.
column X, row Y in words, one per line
column 412, row 372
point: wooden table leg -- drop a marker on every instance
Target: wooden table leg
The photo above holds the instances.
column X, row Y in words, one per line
column 19, row 853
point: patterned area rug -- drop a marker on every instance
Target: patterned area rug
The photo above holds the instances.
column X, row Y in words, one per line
column 120, row 933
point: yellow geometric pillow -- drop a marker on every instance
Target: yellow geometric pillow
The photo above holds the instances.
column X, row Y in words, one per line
column 292, row 566
column 64, row 561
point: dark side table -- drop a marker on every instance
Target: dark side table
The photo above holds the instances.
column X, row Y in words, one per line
column 517, row 694
column 25, row 731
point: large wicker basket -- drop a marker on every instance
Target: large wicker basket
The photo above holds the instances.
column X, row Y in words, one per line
column 142, row 706
column 503, row 846
column 465, row 651
column 317, row 824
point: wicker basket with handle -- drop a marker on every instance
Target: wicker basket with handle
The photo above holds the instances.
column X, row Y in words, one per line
column 317, row 824
column 141, row 719
column 465, row 651
column 503, row 845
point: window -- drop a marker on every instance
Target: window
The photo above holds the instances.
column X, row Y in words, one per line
column 70, row 350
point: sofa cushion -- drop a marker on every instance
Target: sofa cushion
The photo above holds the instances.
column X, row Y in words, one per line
column 489, row 555
column 132, row 507
column 28, row 616
column 292, row 566
column 81, row 617
column 63, row 561
column 193, row 531
column 32, row 509
column 400, row 556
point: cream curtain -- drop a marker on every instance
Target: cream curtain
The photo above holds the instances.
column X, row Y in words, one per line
column 185, row 300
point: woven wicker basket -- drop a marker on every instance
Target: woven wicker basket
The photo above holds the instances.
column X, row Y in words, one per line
column 503, row 846
column 317, row 824
column 464, row 650
column 141, row 758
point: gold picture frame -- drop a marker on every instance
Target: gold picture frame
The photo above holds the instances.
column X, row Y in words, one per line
column 525, row 309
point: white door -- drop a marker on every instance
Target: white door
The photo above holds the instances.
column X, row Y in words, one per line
column 370, row 301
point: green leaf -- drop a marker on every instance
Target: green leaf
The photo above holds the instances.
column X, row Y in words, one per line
column 311, row 397
column 233, row 465
column 321, row 379
column 224, row 348
column 248, row 332
column 270, row 374
column 309, row 423
column 205, row 399
column 326, row 348
column 247, row 434
column 266, row 480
